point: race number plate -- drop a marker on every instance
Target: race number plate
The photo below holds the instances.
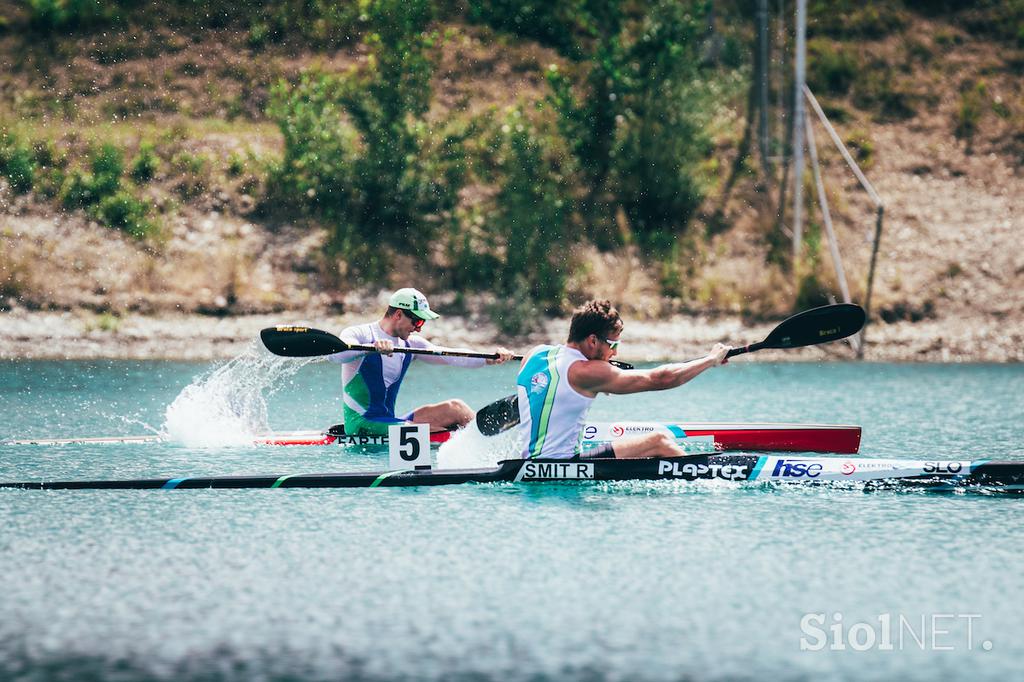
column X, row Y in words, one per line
column 409, row 446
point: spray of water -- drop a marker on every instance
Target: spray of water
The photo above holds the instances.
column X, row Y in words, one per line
column 470, row 449
column 228, row 406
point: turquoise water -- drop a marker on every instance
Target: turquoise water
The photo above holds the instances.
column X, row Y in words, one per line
column 614, row 581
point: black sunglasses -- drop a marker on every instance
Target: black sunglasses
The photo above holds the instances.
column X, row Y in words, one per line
column 417, row 322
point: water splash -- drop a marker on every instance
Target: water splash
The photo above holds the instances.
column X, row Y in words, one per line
column 470, row 449
column 228, row 405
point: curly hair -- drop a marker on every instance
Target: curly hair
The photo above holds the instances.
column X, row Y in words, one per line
column 594, row 317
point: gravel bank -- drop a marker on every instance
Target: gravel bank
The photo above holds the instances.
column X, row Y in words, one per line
column 77, row 336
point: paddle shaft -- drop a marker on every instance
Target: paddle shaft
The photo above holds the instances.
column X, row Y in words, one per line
column 459, row 354
column 750, row 348
column 428, row 351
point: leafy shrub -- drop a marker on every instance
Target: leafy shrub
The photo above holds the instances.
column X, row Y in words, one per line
column 83, row 188
column 532, row 214
column 146, row 163
column 107, row 167
column 126, row 213
column 17, row 163
column 79, row 189
column 194, row 172
column 863, row 149
column 49, row 181
column 356, row 148
column 236, row 165
column 847, row 19
column 637, row 126
column 551, row 23
column 877, row 89
column 972, row 105
column 320, row 147
column 320, row 23
column 832, row 68
column 259, row 34
column 47, row 16
column 664, row 141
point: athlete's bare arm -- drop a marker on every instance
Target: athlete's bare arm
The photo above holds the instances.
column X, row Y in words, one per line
column 594, row 376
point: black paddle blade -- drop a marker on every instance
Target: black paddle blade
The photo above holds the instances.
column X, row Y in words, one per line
column 817, row 325
column 301, row 342
column 501, row 415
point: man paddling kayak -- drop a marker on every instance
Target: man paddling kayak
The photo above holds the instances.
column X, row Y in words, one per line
column 371, row 381
column 557, row 384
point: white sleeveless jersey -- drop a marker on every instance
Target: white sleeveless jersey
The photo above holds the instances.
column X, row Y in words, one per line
column 551, row 412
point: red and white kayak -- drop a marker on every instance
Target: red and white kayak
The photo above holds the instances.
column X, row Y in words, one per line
column 841, row 439
column 728, row 436
column 693, row 437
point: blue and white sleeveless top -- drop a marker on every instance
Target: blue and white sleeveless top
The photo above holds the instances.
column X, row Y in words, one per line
column 551, row 412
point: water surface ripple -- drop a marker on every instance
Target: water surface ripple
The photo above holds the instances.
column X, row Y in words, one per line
column 561, row 581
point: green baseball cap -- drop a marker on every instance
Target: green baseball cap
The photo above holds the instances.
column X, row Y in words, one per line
column 414, row 301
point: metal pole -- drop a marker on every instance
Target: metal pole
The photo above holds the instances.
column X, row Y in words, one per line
column 871, row 276
column 762, row 70
column 798, row 128
column 826, row 216
column 780, row 42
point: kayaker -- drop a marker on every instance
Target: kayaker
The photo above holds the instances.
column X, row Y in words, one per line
column 371, row 381
column 557, row 384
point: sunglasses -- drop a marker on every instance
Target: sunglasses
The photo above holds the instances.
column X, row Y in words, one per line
column 612, row 344
column 417, row 322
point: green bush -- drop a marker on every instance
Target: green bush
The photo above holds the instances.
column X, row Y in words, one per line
column 146, row 163
column 319, row 23
column 831, row 68
column 259, row 34
column 47, row 16
column 49, row 181
column 126, row 213
column 846, row 19
column 532, row 214
column 17, row 163
column 107, row 167
column 83, row 188
column 236, row 165
column 664, row 140
column 47, row 153
column 320, row 147
column 1003, row 19
column 356, row 147
column 194, row 172
column 636, row 125
column 973, row 99
column 863, row 149
column 877, row 89
column 78, row 189
column 551, row 23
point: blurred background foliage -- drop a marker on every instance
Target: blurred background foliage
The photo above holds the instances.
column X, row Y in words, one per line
column 620, row 143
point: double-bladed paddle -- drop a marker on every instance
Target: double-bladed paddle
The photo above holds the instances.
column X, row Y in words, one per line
column 809, row 328
column 305, row 342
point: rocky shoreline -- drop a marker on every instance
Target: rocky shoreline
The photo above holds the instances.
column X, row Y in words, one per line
column 33, row 335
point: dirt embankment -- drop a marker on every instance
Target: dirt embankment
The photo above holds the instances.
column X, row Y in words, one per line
column 948, row 287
